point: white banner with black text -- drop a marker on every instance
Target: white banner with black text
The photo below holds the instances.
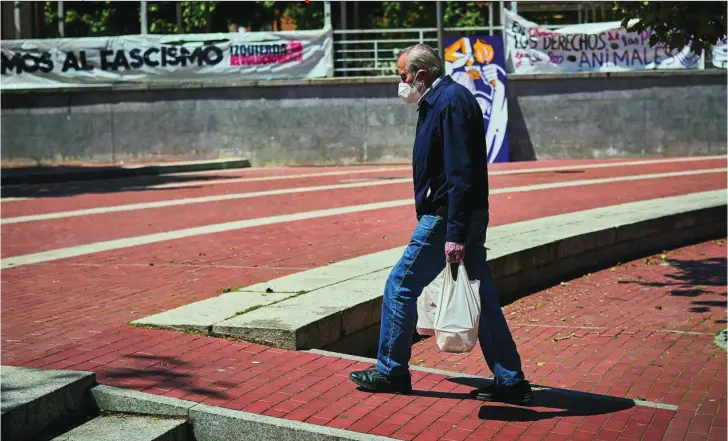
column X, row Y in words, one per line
column 69, row 62
column 592, row 47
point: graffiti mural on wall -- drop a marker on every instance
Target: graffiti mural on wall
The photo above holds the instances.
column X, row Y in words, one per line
column 478, row 63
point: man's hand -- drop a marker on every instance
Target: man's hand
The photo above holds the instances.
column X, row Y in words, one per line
column 454, row 252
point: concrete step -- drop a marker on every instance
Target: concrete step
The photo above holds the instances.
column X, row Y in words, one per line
column 121, row 427
column 338, row 307
column 211, row 423
column 51, row 174
column 129, row 415
column 35, row 399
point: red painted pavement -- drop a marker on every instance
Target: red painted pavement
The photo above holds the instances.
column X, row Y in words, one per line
column 125, row 286
column 637, row 361
column 72, row 313
column 132, row 193
column 32, row 237
column 85, row 195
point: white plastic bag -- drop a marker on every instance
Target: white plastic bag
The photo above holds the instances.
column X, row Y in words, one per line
column 458, row 312
column 427, row 306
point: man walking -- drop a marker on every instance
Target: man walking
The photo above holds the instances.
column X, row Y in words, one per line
column 451, row 200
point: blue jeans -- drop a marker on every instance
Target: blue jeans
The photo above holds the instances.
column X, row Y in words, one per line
column 422, row 261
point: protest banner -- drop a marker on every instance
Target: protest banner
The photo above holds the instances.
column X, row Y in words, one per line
column 73, row 62
column 478, row 63
column 719, row 54
column 592, row 47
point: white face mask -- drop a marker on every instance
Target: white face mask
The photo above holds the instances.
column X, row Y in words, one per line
column 409, row 93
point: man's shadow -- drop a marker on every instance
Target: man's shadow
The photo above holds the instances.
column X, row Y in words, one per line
column 561, row 402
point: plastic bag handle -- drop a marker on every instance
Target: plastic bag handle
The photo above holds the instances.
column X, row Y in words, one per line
column 454, row 268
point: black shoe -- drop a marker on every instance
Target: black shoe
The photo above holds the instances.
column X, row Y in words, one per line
column 374, row 381
column 519, row 393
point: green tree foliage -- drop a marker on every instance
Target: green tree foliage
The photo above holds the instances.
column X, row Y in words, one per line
column 677, row 24
column 157, row 14
column 423, row 14
column 195, row 16
column 466, row 14
column 305, row 16
column 84, row 18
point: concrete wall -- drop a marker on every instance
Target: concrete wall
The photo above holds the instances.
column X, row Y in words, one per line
column 344, row 121
column 646, row 114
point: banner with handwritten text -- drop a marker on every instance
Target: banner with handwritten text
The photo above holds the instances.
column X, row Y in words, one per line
column 593, row 47
column 719, row 54
column 78, row 62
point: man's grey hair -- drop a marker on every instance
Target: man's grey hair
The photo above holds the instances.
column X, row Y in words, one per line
column 422, row 56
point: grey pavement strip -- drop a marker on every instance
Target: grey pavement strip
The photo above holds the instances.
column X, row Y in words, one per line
column 335, row 290
column 669, row 331
column 676, row 331
column 531, row 325
column 197, row 200
column 370, row 169
column 565, row 392
column 275, row 177
column 227, row 197
column 492, row 173
column 232, row 180
column 607, row 165
column 393, row 168
column 184, row 265
column 80, row 250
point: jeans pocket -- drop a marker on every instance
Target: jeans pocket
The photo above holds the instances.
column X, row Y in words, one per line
column 428, row 222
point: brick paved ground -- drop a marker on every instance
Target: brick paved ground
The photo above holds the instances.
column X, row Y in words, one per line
column 615, row 330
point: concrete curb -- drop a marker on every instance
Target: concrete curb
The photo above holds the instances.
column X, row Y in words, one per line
column 721, row 339
column 566, row 393
column 388, row 80
column 555, row 262
column 117, row 427
column 12, row 177
column 219, row 424
column 339, row 305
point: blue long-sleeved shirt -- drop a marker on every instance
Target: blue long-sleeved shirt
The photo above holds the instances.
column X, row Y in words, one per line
column 449, row 160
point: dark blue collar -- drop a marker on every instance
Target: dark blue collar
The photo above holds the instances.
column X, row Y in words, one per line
column 435, row 92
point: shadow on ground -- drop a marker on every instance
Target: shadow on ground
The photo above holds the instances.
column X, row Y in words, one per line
column 168, row 373
column 693, row 278
column 100, row 186
column 547, row 403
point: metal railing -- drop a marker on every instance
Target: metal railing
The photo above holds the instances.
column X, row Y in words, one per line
column 375, row 51
column 372, row 52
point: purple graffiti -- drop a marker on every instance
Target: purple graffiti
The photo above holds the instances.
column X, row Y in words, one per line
column 532, row 58
column 645, row 36
column 687, row 59
column 555, row 59
column 630, row 41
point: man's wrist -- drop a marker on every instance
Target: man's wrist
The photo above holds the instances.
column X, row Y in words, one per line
column 454, row 236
